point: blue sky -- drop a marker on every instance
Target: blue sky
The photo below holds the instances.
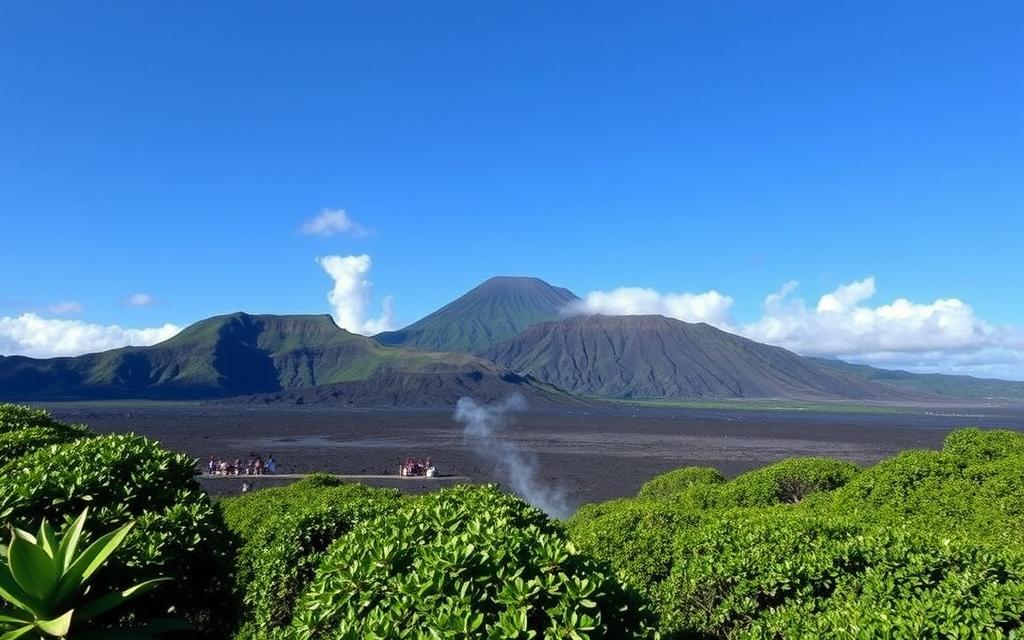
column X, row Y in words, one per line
column 175, row 150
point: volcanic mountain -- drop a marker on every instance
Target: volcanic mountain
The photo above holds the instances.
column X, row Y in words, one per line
column 493, row 312
column 242, row 354
column 658, row 357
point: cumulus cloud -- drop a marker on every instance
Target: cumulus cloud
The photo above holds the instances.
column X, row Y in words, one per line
column 62, row 308
column 711, row 306
column 31, row 335
column 944, row 335
column 843, row 324
column 332, row 222
column 139, row 300
column 350, row 296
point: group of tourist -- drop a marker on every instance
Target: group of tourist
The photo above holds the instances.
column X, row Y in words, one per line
column 417, row 467
column 254, row 466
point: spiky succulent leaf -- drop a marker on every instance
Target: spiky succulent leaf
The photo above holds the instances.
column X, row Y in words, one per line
column 69, row 543
column 89, row 561
column 47, row 539
column 33, row 570
column 13, row 593
column 59, row 626
column 13, row 618
column 20, row 632
column 113, row 600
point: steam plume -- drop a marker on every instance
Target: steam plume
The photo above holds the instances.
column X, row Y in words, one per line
column 483, row 424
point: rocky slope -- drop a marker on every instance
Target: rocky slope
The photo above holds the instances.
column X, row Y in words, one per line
column 658, row 357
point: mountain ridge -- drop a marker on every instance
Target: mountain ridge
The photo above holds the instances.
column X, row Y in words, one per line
column 233, row 355
column 308, row 358
column 653, row 356
column 938, row 384
column 493, row 311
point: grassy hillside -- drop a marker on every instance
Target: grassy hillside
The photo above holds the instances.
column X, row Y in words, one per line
column 491, row 313
column 227, row 355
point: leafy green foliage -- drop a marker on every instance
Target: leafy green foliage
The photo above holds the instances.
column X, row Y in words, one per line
column 44, row 577
column 285, row 532
column 913, row 585
column 972, row 446
column 635, row 536
column 467, row 562
column 787, row 482
column 24, row 429
column 784, row 574
column 124, row 478
column 927, row 544
column 675, row 482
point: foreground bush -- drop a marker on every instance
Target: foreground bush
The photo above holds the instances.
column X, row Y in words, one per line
column 927, row 544
column 786, row 482
column 125, row 478
column 977, row 496
column 973, row 446
column 787, row 575
column 671, row 484
column 24, row 429
column 468, row 562
column 285, row 532
column 635, row 536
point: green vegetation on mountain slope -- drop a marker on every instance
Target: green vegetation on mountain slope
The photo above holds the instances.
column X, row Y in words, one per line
column 493, row 312
column 237, row 354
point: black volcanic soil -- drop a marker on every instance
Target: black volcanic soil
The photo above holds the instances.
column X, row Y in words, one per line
column 592, row 456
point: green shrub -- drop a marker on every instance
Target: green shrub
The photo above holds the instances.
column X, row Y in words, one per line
column 122, row 478
column 634, row 536
column 248, row 513
column 24, row 429
column 972, row 446
column 909, row 584
column 285, row 532
column 893, row 483
column 940, row 492
column 672, row 483
column 467, row 562
column 734, row 567
column 786, row 482
column 14, row 417
column 782, row 574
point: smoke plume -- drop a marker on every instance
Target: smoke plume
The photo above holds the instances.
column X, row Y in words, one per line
column 482, row 425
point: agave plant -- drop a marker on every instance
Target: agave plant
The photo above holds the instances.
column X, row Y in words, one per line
column 45, row 580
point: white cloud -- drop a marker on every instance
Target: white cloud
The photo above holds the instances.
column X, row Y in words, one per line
column 32, row 335
column 842, row 324
column 710, row 306
column 350, row 296
column 62, row 308
column 139, row 300
column 331, row 222
column 944, row 335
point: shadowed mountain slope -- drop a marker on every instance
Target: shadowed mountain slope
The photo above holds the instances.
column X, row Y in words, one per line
column 232, row 355
column 438, row 388
column 658, row 357
column 489, row 314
